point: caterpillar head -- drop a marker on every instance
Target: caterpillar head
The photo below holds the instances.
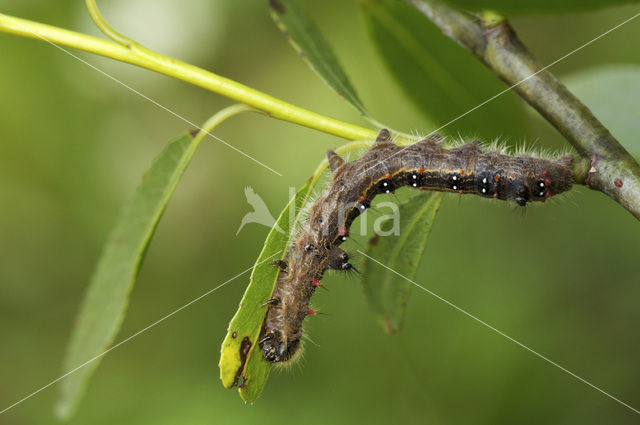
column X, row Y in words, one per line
column 275, row 349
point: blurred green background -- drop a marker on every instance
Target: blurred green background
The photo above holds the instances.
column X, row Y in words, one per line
column 562, row 279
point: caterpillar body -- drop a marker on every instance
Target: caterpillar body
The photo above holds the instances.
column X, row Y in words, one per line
column 425, row 165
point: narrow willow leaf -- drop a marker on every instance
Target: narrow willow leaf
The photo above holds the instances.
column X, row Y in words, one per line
column 443, row 80
column 105, row 302
column 536, row 6
column 386, row 292
column 305, row 37
column 241, row 361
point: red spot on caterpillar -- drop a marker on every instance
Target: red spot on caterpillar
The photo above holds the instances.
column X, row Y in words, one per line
column 316, row 283
column 460, row 192
column 497, row 178
column 462, row 172
column 544, row 173
column 421, row 170
column 618, row 182
column 388, row 175
column 547, row 194
column 342, row 231
column 547, row 182
column 310, row 312
column 495, row 195
column 361, row 198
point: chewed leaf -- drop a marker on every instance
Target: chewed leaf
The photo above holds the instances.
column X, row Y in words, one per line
column 241, row 361
column 386, row 292
column 107, row 297
column 305, row 37
column 443, row 80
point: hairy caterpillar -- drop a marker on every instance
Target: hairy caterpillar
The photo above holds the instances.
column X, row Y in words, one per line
column 425, row 165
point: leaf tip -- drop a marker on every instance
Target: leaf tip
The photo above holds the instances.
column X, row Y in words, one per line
column 63, row 410
column 390, row 326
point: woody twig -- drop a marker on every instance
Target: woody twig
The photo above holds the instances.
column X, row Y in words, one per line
column 606, row 165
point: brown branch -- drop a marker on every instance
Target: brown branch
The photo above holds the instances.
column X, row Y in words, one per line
column 607, row 167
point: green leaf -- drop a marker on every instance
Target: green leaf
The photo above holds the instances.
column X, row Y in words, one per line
column 240, row 363
column 535, row 6
column 386, row 292
column 305, row 37
column 612, row 93
column 105, row 303
column 442, row 79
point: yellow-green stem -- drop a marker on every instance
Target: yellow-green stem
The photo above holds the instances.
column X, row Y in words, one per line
column 219, row 117
column 144, row 58
column 106, row 29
